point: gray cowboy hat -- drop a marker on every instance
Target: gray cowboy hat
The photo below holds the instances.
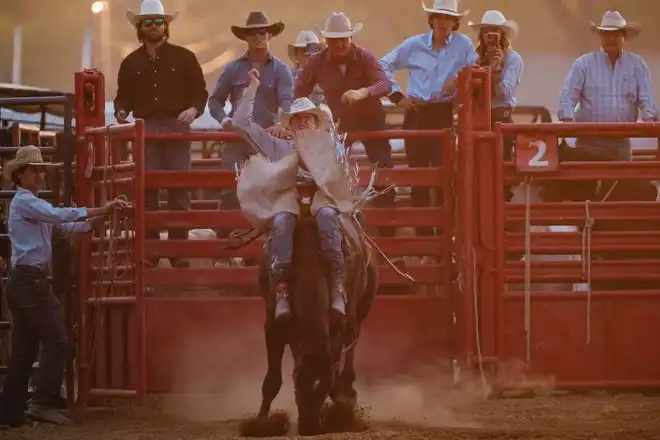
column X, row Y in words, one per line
column 26, row 155
column 257, row 20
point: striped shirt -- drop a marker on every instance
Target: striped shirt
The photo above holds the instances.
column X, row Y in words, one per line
column 608, row 94
column 429, row 68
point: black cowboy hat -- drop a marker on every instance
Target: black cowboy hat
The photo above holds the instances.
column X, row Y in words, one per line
column 257, row 20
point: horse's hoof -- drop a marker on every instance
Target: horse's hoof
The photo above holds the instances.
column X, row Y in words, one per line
column 338, row 417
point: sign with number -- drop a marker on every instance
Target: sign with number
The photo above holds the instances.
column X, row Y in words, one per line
column 537, row 154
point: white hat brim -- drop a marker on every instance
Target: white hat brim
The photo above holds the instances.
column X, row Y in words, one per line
column 14, row 164
column 445, row 11
column 135, row 19
column 508, row 26
column 349, row 33
column 285, row 117
column 631, row 29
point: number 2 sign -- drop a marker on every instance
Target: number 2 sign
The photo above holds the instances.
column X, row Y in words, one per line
column 535, row 154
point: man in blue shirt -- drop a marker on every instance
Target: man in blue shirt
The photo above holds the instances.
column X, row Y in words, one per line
column 433, row 61
column 275, row 91
column 37, row 316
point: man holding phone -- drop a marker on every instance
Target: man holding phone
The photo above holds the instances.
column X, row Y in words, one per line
column 433, row 61
column 494, row 50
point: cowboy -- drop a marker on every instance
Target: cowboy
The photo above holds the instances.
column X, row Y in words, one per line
column 609, row 85
column 37, row 317
column 353, row 83
column 276, row 91
column 494, row 50
column 433, row 60
column 307, row 44
column 163, row 84
column 303, row 117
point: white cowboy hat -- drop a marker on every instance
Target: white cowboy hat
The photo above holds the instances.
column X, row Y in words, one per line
column 445, row 7
column 496, row 18
column 614, row 21
column 305, row 105
column 150, row 8
column 257, row 20
column 26, row 155
column 338, row 25
column 305, row 39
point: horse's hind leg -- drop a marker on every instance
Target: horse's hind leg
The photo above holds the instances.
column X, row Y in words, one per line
column 275, row 345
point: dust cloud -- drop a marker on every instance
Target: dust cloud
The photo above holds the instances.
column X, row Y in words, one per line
column 219, row 379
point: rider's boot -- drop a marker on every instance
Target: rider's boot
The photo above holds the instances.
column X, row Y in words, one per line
column 338, row 295
column 282, row 303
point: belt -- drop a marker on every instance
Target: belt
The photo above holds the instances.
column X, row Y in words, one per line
column 499, row 113
column 30, row 270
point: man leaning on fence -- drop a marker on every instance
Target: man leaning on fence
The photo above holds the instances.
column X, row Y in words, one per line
column 433, row 60
column 609, row 85
column 37, row 316
column 163, row 84
column 275, row 91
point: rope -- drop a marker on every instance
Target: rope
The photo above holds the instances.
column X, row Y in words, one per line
column 586, row 264
column 528, row 269
column 477, row 335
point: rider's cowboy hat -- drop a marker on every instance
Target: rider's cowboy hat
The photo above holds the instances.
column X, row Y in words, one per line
column 495, row 18
column 445, row 7
column 150, row 9
column 305, row 105
column 26, row 155
column 338, row 25
column 257, row 20
column 614, row 21
column 306, row 40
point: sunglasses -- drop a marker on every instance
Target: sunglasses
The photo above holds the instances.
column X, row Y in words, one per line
column 153, row 22
column 255, row 32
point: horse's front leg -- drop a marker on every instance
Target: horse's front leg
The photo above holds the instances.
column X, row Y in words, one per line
column 275, row 344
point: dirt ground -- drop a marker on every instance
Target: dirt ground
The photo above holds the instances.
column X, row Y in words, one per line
column 400, row 414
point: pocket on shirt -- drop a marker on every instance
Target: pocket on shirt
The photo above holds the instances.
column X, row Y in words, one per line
column 629, row 89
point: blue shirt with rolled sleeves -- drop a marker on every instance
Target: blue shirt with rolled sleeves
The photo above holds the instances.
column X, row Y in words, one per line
column 31, row 222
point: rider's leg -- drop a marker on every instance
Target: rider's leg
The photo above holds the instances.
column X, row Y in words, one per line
column 281, row 250
column 327, row 222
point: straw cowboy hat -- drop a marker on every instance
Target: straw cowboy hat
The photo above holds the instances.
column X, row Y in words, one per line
column 445, row 7
column 614, row 21
column 150, row 8
column 338, row 25
column 305, row 40
column 27, row 155
column 257, row 20
column 305, row 105
column 496, row 18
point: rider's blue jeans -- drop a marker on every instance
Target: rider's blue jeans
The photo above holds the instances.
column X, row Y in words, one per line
column 281, row 242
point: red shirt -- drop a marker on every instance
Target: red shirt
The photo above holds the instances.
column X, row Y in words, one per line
column 362, row 70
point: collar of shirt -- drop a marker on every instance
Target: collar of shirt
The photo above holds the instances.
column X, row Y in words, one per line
column 163, row 49
column 606, row 57
column 350, row 57
column 246, row 57
column 429, row 39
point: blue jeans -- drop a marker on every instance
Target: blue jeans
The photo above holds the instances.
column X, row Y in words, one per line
column 168, row 155
column 281, row 242
column 37, row 318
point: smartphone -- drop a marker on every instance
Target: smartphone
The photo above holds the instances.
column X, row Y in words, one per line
column 492, row 39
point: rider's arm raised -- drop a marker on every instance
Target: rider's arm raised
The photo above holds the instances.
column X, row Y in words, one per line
column 243, row 124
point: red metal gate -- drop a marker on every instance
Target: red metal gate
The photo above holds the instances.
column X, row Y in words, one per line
column 571, row 339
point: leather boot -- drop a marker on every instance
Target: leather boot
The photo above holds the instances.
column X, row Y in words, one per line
column 338, row 296
column 282, row 303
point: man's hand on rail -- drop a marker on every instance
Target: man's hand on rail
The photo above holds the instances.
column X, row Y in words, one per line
column 409, row 103
column 450, row 87
column 352, row 96
column 115, row 205
column 122, row 116
column 188, row 115
column 226, row 124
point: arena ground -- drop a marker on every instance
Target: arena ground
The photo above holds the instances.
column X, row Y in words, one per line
column 394, row 412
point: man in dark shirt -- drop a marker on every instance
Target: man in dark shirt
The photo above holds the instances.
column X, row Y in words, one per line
column 163, row 84
column 353, row 82
column 275, row 91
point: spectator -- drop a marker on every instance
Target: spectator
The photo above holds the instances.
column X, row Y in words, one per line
column 163, row 84
column 494, row 50
column 306, row 45
column 609, row 85
column 433, row 61
column 37, row 317
column 353, row 83
column 275, row 91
